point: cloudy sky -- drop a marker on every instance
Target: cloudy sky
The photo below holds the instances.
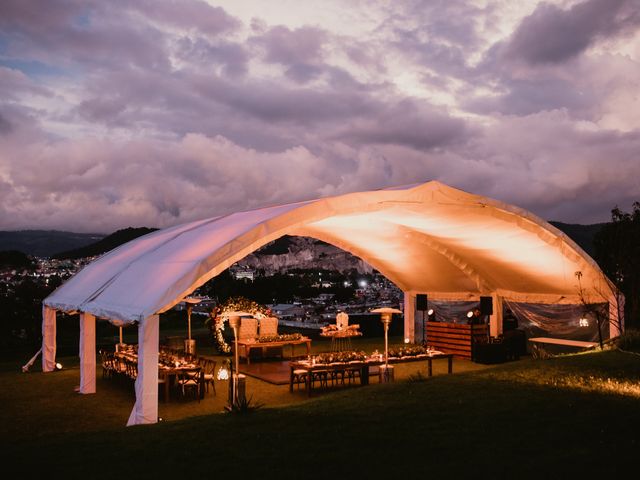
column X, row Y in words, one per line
column 157, row 112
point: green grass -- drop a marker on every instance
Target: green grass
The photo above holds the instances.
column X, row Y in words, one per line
column 567, row 417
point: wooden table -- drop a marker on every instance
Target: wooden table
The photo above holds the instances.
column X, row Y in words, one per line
column 538, row 351
column 362, row 367
column 169, row 374
column 246, row 346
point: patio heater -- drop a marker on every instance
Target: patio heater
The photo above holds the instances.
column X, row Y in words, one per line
column 237, row 382
column 120, row 345
column 386, row 313
column 189, row 344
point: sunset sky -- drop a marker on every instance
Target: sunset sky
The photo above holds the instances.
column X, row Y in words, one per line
column 157, row 112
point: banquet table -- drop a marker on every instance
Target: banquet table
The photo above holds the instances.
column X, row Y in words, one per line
column 362, row 366
column 168, row 372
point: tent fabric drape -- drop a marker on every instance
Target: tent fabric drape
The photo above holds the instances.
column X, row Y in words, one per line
column 48, row 339
column 145, row 410
column 424, row 238
column 558, row 321
column 87, row 353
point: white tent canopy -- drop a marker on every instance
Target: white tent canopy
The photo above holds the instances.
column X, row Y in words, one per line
column 426, row 238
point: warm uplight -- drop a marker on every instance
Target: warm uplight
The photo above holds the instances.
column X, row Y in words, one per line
column 430, row 312
column 406, row 340
column 58, row 366
column 470, row 314
column 584, row 322
column 223, row 373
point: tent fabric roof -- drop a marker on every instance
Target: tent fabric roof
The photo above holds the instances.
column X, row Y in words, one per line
column 425, row 238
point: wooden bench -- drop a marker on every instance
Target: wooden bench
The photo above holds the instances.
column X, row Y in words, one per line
column 538, row 344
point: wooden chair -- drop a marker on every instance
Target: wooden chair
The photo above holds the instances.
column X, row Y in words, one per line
column 300, row 376
column 120, row 367
column 248, row 329
column 188, row 382
column 321, row 376
column 352, row 374
column 268, row 326
column 338, row 376
column 132, row 369
column 107, row 364
column 208, row 373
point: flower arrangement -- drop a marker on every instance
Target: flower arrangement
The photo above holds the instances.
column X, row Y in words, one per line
column 332, row 330
column 333, row 357
column 285, row 337
column 218, row 317
column 407, row 351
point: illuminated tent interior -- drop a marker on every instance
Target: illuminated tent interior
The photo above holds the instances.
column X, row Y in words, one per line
column 426, row 238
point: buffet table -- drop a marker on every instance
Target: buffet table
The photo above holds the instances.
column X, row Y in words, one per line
column 312, row 369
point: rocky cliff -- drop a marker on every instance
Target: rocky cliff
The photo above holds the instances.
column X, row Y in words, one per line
column 303, row 253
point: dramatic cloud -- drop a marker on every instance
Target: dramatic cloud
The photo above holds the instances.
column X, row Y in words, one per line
column 551, row 34
column 159, row 112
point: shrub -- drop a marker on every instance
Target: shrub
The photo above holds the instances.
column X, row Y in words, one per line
column 630, row 341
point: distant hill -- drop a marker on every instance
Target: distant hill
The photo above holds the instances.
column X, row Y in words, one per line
column 581, row 234
column 107, row 243
column 44, row 243
column 61, row 244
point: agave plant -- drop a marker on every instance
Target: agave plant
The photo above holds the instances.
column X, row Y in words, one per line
column 245, row 405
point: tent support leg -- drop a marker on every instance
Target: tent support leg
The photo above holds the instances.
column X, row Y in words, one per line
column 145, row 410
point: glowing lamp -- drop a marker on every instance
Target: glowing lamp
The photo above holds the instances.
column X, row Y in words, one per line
column 430, row 312
column 407, row 340
column 470, row 314
column 223, row 371
column 58, row 366
column 584, row 322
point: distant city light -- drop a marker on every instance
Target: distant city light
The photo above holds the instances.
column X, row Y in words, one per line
column 362, row 283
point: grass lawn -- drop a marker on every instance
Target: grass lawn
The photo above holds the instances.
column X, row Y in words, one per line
column 567, row 417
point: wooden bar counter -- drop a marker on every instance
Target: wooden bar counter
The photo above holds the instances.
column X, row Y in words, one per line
column 455, row 338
